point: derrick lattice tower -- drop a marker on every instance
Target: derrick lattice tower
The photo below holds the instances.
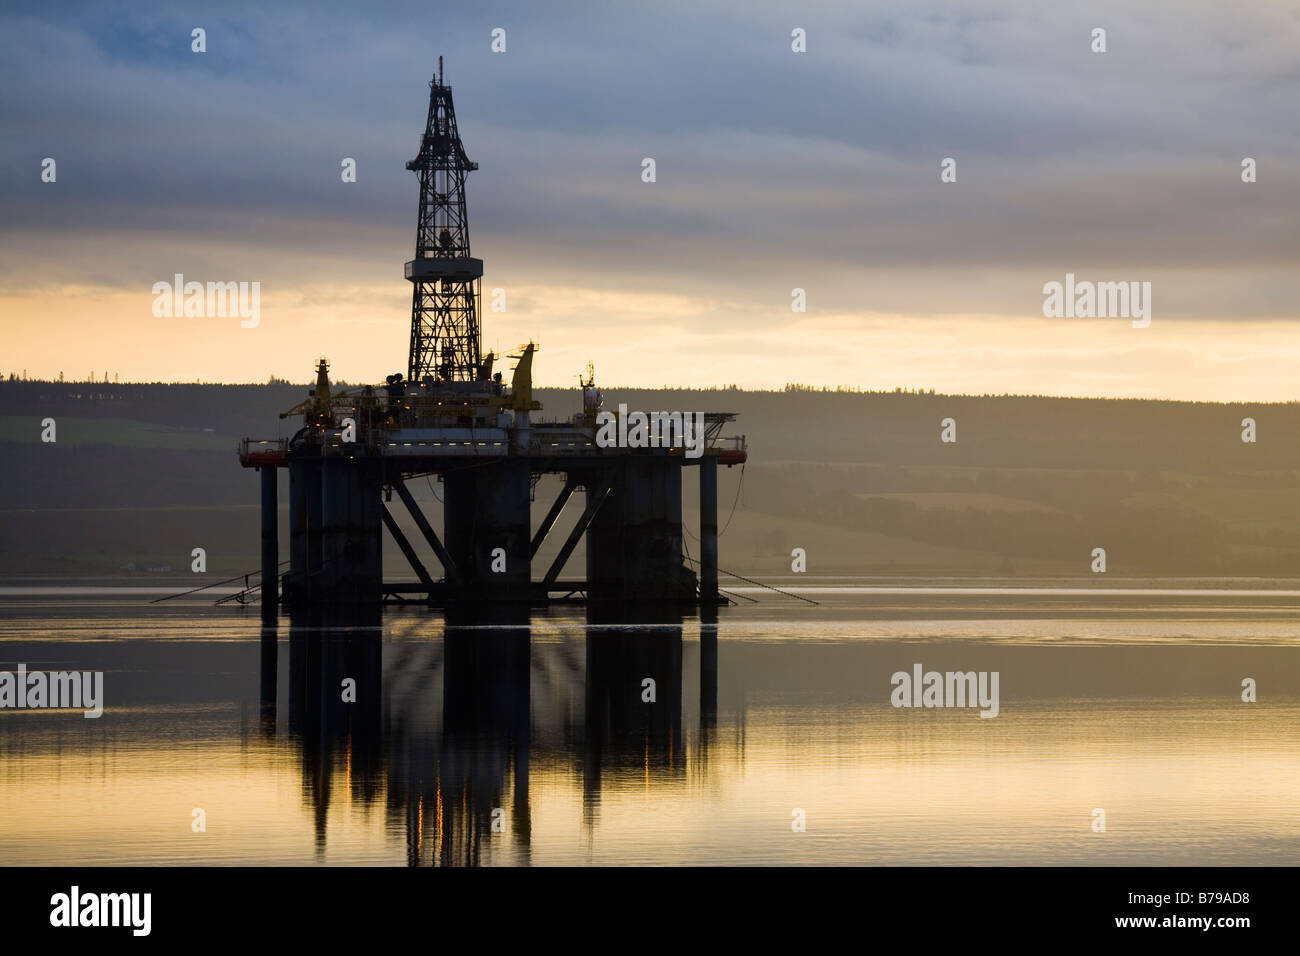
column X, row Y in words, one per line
column 445, row 300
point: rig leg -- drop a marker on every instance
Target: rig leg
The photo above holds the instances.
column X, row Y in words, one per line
column 270, row 546
column 295, row 583
column 486, row 524
column 709, row 529
column 351, row 567
column 315, row 526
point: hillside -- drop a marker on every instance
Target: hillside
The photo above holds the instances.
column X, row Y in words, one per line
column 142, row 473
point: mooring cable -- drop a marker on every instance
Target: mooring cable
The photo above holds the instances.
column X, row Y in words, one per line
column 760, row 584
column 215, row 584
column 739, row 487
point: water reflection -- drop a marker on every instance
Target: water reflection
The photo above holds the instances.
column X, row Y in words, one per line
column 506, row 740
column 335, row 697
column 444, row 732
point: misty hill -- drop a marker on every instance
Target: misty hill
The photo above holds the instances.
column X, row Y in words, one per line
column 862, row 481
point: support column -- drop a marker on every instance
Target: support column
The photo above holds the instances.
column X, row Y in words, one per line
column 605, row 577
column 485, row 508
column 270, row 545
column 459, row 506
column 296, row 584
column 366, row 519
column 328, row 584
column 651, row 538
column 315, row 524
column 503, row 523
column 351, row 569
column 709, row 529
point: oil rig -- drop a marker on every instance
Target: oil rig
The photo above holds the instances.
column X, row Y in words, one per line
column 453, row 418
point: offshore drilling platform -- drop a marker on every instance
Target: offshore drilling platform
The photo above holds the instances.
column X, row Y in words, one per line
column 451, row 416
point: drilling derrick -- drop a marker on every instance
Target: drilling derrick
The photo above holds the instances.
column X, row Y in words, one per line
column 445, row 299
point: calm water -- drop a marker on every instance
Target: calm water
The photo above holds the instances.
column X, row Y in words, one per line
column 1125, row 700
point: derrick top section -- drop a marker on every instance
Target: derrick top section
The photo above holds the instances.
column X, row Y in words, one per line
column 441, row 165
column 440, row 147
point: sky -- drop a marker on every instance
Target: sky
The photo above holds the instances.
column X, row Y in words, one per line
column 775, row 170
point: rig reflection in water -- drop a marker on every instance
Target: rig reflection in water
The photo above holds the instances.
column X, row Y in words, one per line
column 444, row 731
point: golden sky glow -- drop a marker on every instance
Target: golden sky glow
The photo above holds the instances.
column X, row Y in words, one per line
column 662, row 338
